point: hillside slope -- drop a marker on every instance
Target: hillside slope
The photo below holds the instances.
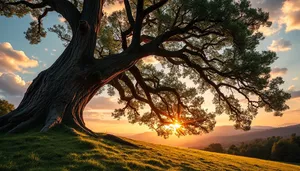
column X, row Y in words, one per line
column 65, row 150
column 226, row 135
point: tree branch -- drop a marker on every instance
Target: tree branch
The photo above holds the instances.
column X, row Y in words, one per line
column 67, row 10
column 28, row 4
column 154, row 7
column 138, row 24
column 42, row 16
column 129, row 13
column 63, row 7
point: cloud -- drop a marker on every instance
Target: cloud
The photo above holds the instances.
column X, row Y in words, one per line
column 61, row 19
column 13, row 60
column 273, row 7
column 93, row 115
column 281, row 13
column 54, row 50
column 280, row 45
column 291, row 15
column 295, row 94
column 100, row 108
column 12, row 85
column 268, row 31
column 103, row 103
column 278, row 72
column 295, row 79
column 106, row 121
column 46, row 49
column 291, row 88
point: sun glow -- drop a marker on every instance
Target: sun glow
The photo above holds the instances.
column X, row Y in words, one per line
column 174, row 126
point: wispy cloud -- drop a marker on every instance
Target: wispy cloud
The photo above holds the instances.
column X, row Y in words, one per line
column 291, row 88
column 103, row 103
column 268, row 31
column 278, row 72
column 280, row 45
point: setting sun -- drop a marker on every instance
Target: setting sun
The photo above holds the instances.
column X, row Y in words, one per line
column 174, row 126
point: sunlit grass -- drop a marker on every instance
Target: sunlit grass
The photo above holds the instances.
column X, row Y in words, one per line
column 63, row 150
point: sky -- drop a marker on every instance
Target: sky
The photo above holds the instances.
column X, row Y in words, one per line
column 20, row 63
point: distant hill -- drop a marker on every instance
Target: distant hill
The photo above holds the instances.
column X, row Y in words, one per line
column 74, row 151
column 248, row 136
column 223, row 134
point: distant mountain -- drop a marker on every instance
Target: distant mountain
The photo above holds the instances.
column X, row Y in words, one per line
column 248, row 136
column 226, row 135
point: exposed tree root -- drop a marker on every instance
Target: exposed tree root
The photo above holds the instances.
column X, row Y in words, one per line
column 54, row 118
column 7, row 127
column 24, row 125
column 17, row 122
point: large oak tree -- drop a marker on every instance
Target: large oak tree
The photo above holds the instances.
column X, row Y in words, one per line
column 210, row 42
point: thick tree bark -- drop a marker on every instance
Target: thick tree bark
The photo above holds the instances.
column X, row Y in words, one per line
column 59, row 94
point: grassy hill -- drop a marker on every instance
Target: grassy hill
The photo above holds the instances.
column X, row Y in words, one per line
column 66, row 150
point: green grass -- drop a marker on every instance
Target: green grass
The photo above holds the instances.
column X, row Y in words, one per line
column 63, row 150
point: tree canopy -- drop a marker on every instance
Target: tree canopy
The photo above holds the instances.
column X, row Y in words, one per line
column 213, row 43
column 5, row 107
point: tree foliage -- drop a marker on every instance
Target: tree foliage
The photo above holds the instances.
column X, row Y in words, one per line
column 5, row 107
column 213, row 43
column 215, row 147
column 286, row 149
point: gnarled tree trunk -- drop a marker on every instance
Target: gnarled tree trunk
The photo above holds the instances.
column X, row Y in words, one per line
column 59, row 94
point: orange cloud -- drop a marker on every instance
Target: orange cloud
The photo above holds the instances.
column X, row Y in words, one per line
column 291, row 88
column 13, row 60
column 291, row 15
